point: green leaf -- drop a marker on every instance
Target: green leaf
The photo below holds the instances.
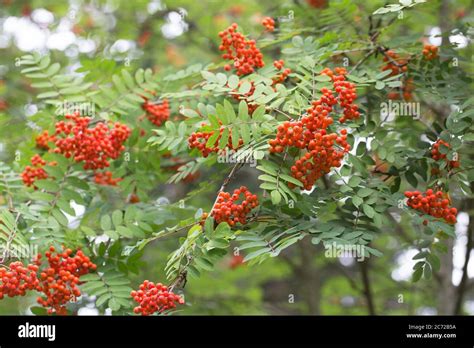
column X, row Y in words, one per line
column 245, row 133
column 47, row 185
column 354, row 181
column 105, row 222
column 356, row 200
column 417, row 274
column 291, row 179
column 364, row 192
column 368, row 210
column 243, row 111
column 276, row 197
column 117, row 218
column 245, row 87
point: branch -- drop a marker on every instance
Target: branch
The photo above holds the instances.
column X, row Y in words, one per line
column 367, row 287
column 462, row 287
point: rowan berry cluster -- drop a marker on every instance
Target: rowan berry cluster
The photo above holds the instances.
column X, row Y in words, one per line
column 92, row 145
column 36, row 171
column 398, row 66
column 346, row 93
column 243, row 52
column 157, row 113
column 323, row 150
column 394, row 63
column 280, row 78
column 430, row 52
column 198, row 141
column 105, row 178
column 57, row 280
column 43, row 140
column 227, row 209
column 18, row 279
column 432, row 203
column 152, row 298
column 317, row 3
column 405, row 92
column 437, row 155
column 269, row 24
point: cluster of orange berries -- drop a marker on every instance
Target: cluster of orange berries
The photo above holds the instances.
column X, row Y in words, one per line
column 94, row 146
column 317, row 3
column 324, row 150
column 405, row 91
column 36, row 171
column 18, row 279
column 394, row 63
column 437, row 155
column 106, row 178
column 398, row 66
column 280, row 78
column 243, row 52
column 57, row 281
column 228, row 210
column 430, row 52
column 152, row 298
column 269, row 24
column 432, row 203
column 43, row 140
column 198, row 141
column 346, row 93
column 157, row 113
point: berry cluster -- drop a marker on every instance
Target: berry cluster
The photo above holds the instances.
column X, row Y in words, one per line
column 153, row 298
column 346, row 93
column 430, row 52
column 398, row 66
column 157, row 113
column 18, row 279
column 57, row 281
column 324, row 150
column 36, row 171
column 394, row 63
column 405, row 92
column 432, row 203
column 243, row 52
column 198, row 141
column 106, row 178
column 317, row 3
column 227, row 209
column 237, row 96
column 269, row 24
column 43, row 140
column 280, row 78
column 437, row 155
column 92, row 145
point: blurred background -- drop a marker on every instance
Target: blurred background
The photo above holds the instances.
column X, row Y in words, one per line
column 103, row 36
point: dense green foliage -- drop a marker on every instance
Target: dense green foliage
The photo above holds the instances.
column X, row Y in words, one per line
column 161, row 234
